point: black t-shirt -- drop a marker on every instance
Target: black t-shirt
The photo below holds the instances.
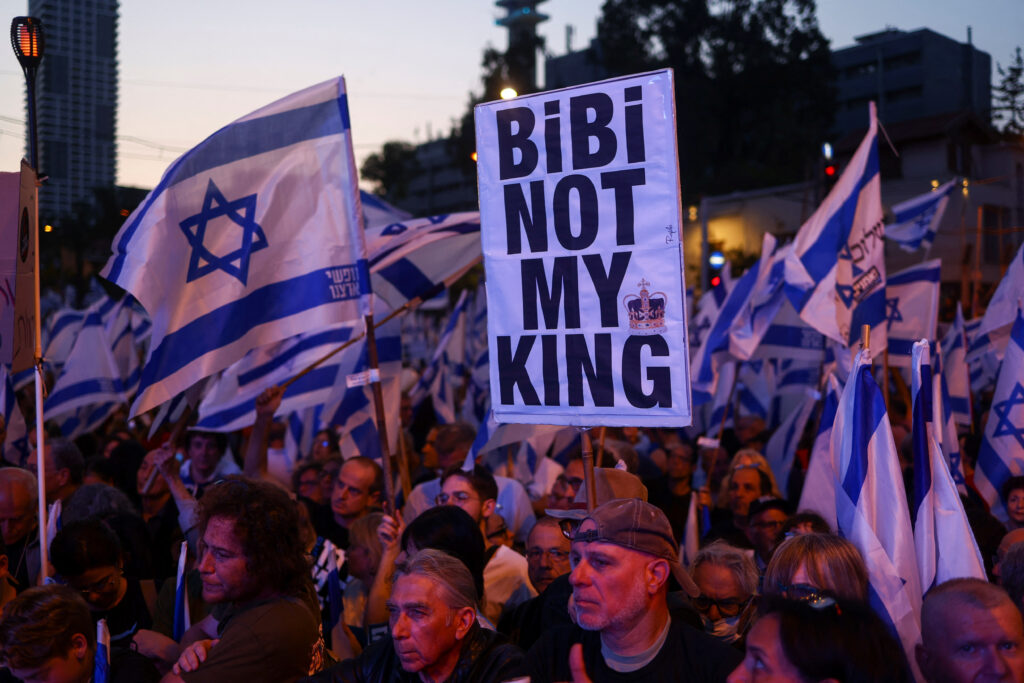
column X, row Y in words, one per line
column 528, row 621
column 687, row 655
column 324, row 524
column 126, row 617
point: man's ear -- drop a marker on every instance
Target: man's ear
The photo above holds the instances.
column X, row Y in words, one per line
column 656, row 575
column 375, row 497
column 79, row 646
column 464, row 619
column 487, row 509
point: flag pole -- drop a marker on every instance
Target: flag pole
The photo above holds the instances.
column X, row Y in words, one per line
column 865, row 339
column 600, row 446
column 588, row 468
column 378, row 402
column 176, row 431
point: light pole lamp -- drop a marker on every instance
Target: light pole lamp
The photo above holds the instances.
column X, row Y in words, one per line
column 27, row 41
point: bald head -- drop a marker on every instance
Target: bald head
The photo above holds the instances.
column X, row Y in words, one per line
column 970, row 629
column 17, row 503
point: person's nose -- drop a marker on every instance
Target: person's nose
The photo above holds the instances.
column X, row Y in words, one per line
column 996, row 664
column 400, row 629
column 206, row 563
column 580, row 574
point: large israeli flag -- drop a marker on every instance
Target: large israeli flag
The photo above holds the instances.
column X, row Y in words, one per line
column 251, row 237
column 955, row 371
column 943, row 539
column 911, row 309
column 835, row 274
column 819, row 492
column 763, row 302
column 916, row 220
column 437, row 380
column 871, row 504
column 1002, row 307
column 1001, row 455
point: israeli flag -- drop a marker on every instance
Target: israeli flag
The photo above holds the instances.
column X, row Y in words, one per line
column 714, row 351
column 710, row 303
column 755, row 388
column 303, row 426
column 437, row 380
column 781, row 447
column 916, row 220
column 871, row 504
column 182, row 617
column 763, row 302
column 722, row 411
column 911, row 309
column 86, row 419
column 835, row 274
column 1001, row 455
column 61, row 330
column 15, row 444
column 795, row 377
column 253, row 236
column 984, row 354
column 1002, row 308
column 493, row 435
column 955, row 371
column 478, row 391
column 101, row 663
column 949, row 437
column 789, row 337
column 102, row 367
column 378, row 212
column 819, row 492
column 943, row 539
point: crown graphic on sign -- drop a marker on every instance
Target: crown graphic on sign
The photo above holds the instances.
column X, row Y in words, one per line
column 646, row 311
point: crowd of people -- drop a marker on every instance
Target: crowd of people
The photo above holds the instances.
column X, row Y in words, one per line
column 308, row 572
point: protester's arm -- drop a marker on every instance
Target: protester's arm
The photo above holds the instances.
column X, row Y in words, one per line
column 267, row 403
column 188, row 507
column 157, row 647
column 390, row 534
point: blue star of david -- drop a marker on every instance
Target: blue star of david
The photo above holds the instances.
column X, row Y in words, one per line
column 845, row 293
column 892, row 308
column 239, row 211
column 1005, row 426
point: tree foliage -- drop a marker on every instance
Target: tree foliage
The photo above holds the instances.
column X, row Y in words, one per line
column 754, row 99
column 1008, row 97
column 391, row 169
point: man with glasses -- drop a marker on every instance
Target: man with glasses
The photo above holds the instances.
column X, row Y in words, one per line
column 566, row 485
column 767, row 516
column 506, row 578
column 727, row 580
column 623, row 554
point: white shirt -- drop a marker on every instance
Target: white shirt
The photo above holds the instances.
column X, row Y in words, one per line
column 504, row 577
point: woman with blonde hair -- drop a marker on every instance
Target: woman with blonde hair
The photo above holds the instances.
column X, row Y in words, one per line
column 810, row 565
column 749, row 478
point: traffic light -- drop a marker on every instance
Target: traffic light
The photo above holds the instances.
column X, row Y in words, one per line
column 829, row 172
column 715, row 262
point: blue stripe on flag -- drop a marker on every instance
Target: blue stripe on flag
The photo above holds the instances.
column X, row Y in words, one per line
column 868, row 412
column 407, row 278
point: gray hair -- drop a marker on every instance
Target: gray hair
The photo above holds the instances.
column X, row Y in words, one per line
column 10, row 476
column 721, row 554
column 66, row 455
column 96, row 501
column 1011, row 573
column 445, row 571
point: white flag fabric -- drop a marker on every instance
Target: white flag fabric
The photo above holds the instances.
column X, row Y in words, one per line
column 955, row 371
column 949, row 437
column 911, row 309
column 755, row 388
column 706, row 314
column 780, row 450
column 478, row 391
column 835, row 274
column 943, row 539
column 788, row 337
column 15, row 445
column 691, row 534
column 916, row 220
column 61, row 330
column 1001, row 455
column 819, row 492
column 251, row 237
column 763, row 303
column 1002, row 307
column 437, row 378
column 714, row 350
column 871, row 504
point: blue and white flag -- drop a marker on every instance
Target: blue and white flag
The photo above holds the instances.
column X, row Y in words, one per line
column 722, row 411
column 916, row 220
column 420, row 257
column 102, row 367
column 835, row 275
column 755, row 387
column 762, row 305
column 871, row 504
column 949, row 437
column 493, row 435
column 251, row 237
column 377, row 212
column 710, row 303
column 911, row 309
column 61, row 330
column 714, row 350
column 790, row 338
column 780, row 450
column 1002, row 307
column 955, row 371
column 691, row 534
column 478, row 391
column 101, row 662
column 819, row 492
column 437, row 380
column 943, row 539
column 984, row 354
column 1001, row 455
column 15, row 445
column 182, row 616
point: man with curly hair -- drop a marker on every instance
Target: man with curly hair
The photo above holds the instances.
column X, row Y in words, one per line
column 253, row 564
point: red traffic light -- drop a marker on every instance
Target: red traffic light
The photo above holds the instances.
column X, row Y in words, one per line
column 830, row 170
column 715, row 281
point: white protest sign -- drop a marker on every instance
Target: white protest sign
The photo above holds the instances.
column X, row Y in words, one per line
column 580, row 220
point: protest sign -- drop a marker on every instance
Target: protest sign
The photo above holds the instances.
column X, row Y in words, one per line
column 580, row 225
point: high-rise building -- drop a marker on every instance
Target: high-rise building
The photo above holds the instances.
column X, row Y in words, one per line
column 76, row 99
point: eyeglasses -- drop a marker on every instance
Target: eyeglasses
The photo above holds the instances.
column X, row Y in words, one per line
column 727, row 608
column 555, row 554
column 455, row 498
column 802, row 591
column 768, row 524
column 104, row 585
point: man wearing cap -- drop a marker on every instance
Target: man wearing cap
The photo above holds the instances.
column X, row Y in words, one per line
column 622, row 555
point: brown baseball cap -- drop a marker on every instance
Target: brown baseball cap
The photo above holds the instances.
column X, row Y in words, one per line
column 609, row 484
column 637, row 525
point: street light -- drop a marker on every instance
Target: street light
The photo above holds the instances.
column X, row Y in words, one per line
column 27, row 41
column 508, row 93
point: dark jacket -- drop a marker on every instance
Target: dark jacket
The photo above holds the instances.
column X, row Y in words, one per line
column 485, row 657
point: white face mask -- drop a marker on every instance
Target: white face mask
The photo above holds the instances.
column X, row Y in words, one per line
column 723, row 629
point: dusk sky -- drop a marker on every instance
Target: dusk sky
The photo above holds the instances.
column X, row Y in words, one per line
column 191, row 66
